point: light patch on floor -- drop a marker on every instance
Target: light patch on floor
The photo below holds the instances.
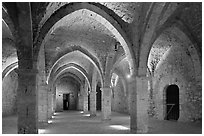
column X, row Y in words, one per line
column 87, row 115
column 53, row 117
column 41, row 131
column 56, row 113
column 81, row 111
column 119, row 127
column 49, row 121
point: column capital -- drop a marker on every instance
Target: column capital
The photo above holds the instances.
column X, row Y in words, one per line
column 26, row 71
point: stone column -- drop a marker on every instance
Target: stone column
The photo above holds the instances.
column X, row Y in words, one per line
column 93, row 94
column 139, row 104
column 85, row 101
column 27, row 108
column 59, row 102
column 93, row 103
column 54, row 101
column 106, row 103
column 50, row 101
column 80, row 98
column 42, row 103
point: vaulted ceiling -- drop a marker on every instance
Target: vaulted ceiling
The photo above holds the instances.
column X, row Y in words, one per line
column 82, row 39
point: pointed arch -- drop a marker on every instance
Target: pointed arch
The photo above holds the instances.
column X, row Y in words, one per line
column 99, row 15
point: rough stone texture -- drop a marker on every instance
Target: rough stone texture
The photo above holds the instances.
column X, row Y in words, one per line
column 9, row 93
column 125, row 10
column 80, row 99
column 42, row 88
column 106, row 103
column 98, row 37
column 119, row 99
column 93, row 93
column 176, row 67
column 192, row 16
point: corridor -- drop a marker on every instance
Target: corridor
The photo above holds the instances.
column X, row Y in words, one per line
column 128, row 60
column 77, row 122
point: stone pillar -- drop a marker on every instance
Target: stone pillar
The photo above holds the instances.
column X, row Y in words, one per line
column 139, row 104
column 54, row 101
column 59, row 102
column 42, row 103
column 106, row 103
column 80, row 98
column 85, row 100
column 27, row 108
column 50, row 101
column 93, row 103
column 93, row 93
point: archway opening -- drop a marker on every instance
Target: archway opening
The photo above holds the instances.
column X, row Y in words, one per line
column 66, row 101
column 98, row 97
column 172, row 103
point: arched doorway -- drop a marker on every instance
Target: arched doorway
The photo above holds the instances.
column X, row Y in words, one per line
column 172, row 102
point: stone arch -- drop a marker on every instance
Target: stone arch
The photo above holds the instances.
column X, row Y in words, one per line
column 173, row 29
column 8, row 69
column 66, row 67
column 188, row 44
column 121, row 58
column 182, row 28
column 9, row 22
column 87, row 54
column 100, row 15
column 191, row 48
column 124, row 82
column 71, row 75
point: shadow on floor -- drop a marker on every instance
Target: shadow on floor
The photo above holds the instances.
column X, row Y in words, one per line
column 76, row 122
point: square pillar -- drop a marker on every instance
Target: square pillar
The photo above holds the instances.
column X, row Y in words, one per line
column 106, row 103
column 42, row 103
column 54, row 102
column 85, row 103
column 27, row 108
column 59, row 102
column 93, row 103
column 80, row 101
column 50, row 101
column 139, row 104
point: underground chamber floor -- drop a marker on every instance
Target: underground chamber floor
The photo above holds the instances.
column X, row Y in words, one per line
column 76, row 122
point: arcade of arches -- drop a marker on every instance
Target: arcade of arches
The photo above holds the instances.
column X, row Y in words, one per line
column 140, row 59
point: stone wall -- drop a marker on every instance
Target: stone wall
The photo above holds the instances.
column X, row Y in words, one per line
column 119, row 98
column 9, row 93
column 67, row 86
column 176, row 67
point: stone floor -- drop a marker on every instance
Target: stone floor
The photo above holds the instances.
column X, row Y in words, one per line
column 76, row 122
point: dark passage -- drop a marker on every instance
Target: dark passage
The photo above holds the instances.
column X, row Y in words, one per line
column 172, row 102
column 65, row 101
column 88, row 101
column 98, row 98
